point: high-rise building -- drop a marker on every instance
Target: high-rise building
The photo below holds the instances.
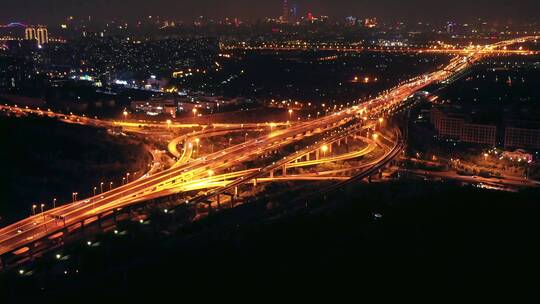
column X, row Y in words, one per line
column 42, row 35
column 370, row 22
column 522, row 138
column 451, row 28
column 479, row 134
column 30, row 33
column 285, row 16
column 294, row 11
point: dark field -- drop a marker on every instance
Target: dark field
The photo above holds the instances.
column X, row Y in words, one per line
column 465, row 244
column 46, row 159
column 311, row 76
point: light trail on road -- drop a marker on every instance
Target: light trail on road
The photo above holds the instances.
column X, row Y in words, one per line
column 36, row 227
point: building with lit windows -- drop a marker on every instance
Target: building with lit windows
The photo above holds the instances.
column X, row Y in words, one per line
column 285, row 16
column 522, row 138
column 30, row 33
column 42, row 35
column 455, row 126
column 479, row 134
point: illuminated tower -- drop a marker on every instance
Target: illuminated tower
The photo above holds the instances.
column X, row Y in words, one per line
column 294, row 11
column 30, row 33
column 285, row 16
column 42, row 35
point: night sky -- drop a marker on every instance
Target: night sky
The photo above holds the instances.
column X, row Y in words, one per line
column 47, row 11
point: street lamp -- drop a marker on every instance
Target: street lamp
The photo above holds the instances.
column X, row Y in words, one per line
column 42, row 205
column 194, row 112
column 125, row 114
column 324, row 148
column 101, row 187
column 169, row 122
column 34, row 209
column 95, row 188
column 123, row 180
column 127, row 177
column 290, row 113
column 110, row 185
column 54, row 203
column 74, row 196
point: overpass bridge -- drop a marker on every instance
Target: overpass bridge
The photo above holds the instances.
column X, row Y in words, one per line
column 29, row 235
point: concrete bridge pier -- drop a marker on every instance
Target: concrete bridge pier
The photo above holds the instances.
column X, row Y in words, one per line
column 232, row 198
column 82, row 227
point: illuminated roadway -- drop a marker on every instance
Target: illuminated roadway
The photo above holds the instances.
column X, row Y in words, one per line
column 494, row 49
column 30, row 229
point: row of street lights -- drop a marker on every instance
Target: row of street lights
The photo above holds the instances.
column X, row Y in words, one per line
column 34, row 210
column 75, row 194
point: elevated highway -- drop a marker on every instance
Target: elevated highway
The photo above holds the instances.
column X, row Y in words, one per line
column 28, row 231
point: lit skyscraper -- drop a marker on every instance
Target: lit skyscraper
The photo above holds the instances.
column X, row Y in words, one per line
column 30, row 33
column 42, row 35
column 285, row 16
column 294, row 11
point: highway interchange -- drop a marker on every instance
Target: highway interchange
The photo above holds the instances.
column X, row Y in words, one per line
column 209, row 172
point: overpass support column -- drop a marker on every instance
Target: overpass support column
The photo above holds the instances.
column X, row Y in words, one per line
column 346, row 140
column 284, row 170
column 339, row 142
column 236, row 191
column 317, row 154
column 255, row 182
column 330, row 147
column 219, row 200
column 307, row 156
column 82, row 226
column 272, row 173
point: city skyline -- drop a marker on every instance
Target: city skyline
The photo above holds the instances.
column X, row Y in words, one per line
column 409, row 11
column 177, row 148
